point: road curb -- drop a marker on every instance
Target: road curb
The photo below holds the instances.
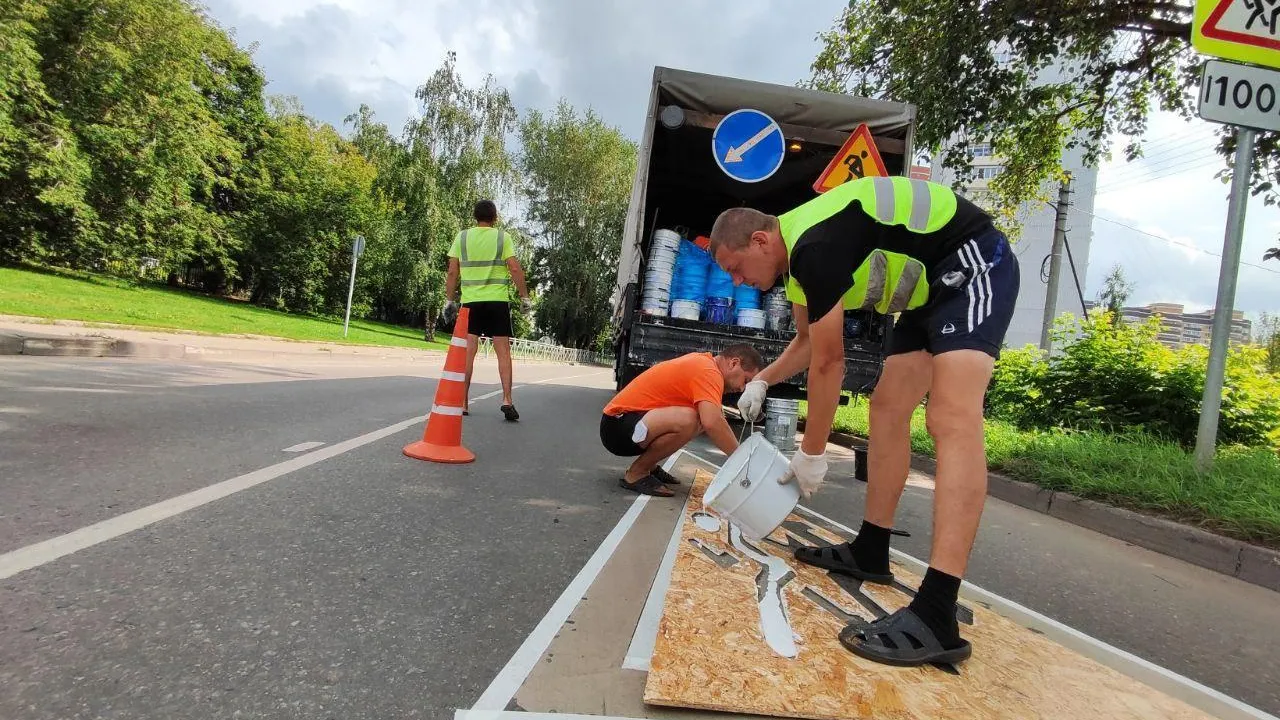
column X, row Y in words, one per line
column 12, row 343
column 1251, row 563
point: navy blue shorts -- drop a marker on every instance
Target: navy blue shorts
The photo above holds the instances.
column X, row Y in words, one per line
column 971, row 300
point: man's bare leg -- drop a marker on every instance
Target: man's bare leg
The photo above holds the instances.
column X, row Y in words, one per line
column 901, row 387
column 473, row 344
column 954, row 417
column 669, row 430
column 502, row 348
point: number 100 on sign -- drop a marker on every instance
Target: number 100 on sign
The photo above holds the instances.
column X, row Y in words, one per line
column 1240, row 95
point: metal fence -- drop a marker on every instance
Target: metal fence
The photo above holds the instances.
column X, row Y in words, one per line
column 546, row 352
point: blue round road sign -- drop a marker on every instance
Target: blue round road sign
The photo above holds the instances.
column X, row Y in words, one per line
column 748, row 145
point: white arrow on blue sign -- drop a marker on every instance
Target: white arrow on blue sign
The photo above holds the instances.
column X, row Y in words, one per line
column 748, row 145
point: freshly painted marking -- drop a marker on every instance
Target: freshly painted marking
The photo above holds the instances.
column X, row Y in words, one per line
column 1145, row 671
column 640, row 651
column 774, row 624
column 513, row 674
column 706, row 521
column 303, row 446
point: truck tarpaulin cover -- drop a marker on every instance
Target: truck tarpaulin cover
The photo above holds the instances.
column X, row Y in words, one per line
column 716, row 95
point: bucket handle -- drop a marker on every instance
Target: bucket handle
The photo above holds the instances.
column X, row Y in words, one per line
column 742, row 478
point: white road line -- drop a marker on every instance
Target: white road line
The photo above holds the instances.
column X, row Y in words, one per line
column 1144, row 671
column 640, row 651
column 512, row 676
column 516, row 715
column 37, row 554
column 31, row 556
column 312, row 445
column 569, row 377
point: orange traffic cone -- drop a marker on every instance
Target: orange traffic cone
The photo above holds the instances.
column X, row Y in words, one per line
column 442, row 439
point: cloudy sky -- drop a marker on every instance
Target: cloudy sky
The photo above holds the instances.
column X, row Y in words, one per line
column 1159, row 218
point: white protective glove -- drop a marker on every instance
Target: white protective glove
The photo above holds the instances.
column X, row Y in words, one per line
column 752, row 401
column 527, row 305
column 808, row 470
column 450, row 311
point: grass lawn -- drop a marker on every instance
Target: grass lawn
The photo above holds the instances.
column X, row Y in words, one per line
column 1240, row 497
column 97, row 298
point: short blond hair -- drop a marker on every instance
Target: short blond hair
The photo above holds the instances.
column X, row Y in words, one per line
column 734, row 227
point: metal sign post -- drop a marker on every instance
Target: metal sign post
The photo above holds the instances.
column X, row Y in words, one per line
column 1207, row 433
column 357, row 248
column 1247, row 97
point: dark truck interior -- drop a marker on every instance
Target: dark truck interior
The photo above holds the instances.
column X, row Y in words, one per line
column 686, row 188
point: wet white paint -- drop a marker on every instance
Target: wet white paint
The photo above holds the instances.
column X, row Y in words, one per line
column 706, row 521
column 773, row 616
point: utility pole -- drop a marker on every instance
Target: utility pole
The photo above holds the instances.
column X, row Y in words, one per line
column 1055, row 263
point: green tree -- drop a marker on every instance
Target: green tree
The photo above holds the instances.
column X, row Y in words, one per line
column 43, row 171
column 310, row 195
column 1116, row 289
column 577, row 173
column 1032, row 78
column 1266, row 333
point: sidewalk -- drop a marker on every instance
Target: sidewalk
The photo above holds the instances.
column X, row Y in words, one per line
column 67, row 338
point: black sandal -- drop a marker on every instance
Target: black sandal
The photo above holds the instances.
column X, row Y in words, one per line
column 666, row 477
column 901, row 639
column 839, row 558
column 647, row 485
column 509, row 412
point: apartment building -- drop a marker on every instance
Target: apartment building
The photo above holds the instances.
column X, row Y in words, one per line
column 1179, row 328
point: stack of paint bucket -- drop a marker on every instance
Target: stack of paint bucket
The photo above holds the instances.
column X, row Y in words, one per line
column 657, row 278
column 777, row 309
column 746, row 303
column 689, row 282
column 718, row 309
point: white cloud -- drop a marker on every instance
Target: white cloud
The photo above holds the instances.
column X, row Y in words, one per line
column 336, row 54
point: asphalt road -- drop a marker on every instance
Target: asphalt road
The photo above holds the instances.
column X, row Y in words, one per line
column 369, row 585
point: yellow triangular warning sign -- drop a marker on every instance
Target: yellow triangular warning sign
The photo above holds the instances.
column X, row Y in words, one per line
column 1244, row 30
column 857, row 158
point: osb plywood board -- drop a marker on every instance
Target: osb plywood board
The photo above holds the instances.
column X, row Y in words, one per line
column 712, row 654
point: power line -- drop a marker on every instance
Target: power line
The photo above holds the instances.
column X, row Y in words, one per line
column 1171, row 241
column 1138, row 175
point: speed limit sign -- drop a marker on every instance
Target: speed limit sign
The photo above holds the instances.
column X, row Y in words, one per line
column 1240, row 95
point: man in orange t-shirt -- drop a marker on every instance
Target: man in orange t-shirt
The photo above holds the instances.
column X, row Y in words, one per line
column 668, row 405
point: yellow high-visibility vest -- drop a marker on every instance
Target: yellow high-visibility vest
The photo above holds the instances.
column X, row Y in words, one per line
column 482, row 254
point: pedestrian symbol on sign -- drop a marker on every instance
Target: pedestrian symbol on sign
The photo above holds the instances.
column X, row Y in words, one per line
column 1244, row 30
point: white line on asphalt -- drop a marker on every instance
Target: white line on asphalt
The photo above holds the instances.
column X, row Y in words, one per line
column 37, row 554
column 569, row 377
column 514, row 673
column 312, row 445
column 517, row 715
column 640, row 651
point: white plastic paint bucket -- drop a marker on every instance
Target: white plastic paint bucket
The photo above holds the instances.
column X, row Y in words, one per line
column 751, row 318
column 666, row 239
column 686, row 309
column 746, row 491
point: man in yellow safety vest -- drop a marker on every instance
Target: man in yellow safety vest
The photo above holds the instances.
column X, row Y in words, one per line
column 893, row 245
column 483, row 264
